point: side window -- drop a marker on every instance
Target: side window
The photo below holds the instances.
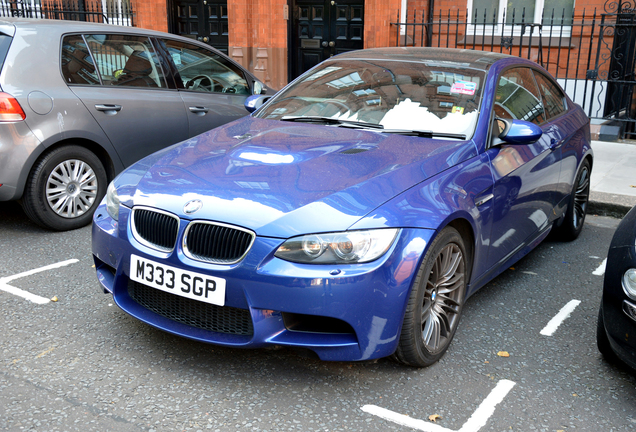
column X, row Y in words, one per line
column 518, row 97
column 553, row 98
column 204, row 71
column 126, row 60
column 77, row 63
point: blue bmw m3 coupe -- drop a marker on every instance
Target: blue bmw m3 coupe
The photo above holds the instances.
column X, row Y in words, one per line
column 355, row 211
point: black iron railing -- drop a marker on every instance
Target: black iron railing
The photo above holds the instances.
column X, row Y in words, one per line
column 592, row 53
column 117, row 12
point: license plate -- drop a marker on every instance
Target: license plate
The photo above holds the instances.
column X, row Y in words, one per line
column 195, row 286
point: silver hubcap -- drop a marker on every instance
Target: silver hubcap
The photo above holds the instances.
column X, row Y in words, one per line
column 71, row 188
column 442, row 298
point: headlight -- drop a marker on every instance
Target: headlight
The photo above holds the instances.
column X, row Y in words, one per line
column 629, row 283
column 347, row 247
column 112, row 201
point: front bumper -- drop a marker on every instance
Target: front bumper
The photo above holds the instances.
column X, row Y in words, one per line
column 341, row 312
column 618, row 309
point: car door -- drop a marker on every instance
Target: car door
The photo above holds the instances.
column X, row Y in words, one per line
column 525, row 175
column 212, row 87
column 561, row 128
column 132, row 102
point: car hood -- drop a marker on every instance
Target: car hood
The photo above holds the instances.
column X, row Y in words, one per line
column 282, row 179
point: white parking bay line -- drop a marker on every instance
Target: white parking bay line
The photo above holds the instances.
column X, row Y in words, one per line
column 4, row 282
column 600, row 271
column 473, row 424
column 563, row 314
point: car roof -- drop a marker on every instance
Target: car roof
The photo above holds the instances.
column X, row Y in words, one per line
column 453, row 57
column 67, row 26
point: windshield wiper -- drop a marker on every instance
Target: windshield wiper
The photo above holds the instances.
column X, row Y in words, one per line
column 424, row 133
column 331, row 120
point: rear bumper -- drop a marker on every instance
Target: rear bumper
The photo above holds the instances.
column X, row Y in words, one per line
column 17, row 144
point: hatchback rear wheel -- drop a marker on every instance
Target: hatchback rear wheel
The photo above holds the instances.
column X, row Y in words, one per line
column 64, row 188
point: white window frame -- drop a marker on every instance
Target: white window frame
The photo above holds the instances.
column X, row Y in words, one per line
column 477, row 29
column 118, row 18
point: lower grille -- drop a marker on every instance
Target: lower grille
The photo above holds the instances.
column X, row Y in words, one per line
column 220, row 319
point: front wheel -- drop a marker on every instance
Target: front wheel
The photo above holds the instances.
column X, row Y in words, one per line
column 64, row 188
column 435, row 303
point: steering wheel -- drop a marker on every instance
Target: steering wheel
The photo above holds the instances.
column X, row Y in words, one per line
column 204, row 82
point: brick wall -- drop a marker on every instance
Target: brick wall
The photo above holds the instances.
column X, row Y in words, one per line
column 258, row 38
column 378, row 15
column 151, row 14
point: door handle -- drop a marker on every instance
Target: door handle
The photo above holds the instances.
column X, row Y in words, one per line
column 555, row 144
column 199, row 110
column 108, row 109
column 332, row 44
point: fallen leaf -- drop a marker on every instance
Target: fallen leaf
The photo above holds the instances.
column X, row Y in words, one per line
column 512, row 268
column 503, row 354
column 434, row 417
column 634, row 186
column 486, row 361
column 54, row 299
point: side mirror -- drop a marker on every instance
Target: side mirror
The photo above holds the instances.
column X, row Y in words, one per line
column 257, row 88
column 254, row 102
column 517, row 131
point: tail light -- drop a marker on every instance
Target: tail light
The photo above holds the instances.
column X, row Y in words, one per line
column 10, row 109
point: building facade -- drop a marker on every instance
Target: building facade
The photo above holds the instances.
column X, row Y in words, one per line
column 276, row 39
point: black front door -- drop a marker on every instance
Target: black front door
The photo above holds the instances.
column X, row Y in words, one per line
column 203, row 20
column 324, row 28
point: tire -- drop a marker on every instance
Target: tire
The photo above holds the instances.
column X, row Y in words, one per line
column 602, row 341
column 435, row 303
column 577, row 207
column 64, row 188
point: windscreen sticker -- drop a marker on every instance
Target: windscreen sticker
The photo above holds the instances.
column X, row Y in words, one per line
column 176, row 57
column 464, row 87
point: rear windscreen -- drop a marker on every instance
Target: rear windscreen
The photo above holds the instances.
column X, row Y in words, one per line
column 5, row 41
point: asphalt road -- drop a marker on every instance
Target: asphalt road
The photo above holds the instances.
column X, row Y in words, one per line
column 80, row 363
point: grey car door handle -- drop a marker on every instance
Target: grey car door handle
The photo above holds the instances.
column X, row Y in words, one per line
column 108, row 109
column 199, row 110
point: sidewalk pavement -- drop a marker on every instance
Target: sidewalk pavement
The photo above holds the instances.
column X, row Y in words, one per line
column 613, row 180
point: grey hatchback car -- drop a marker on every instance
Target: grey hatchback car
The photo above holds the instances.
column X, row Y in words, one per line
column 79, row 102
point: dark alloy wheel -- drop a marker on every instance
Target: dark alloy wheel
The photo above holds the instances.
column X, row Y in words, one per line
column 436, row 301
column 577, row 208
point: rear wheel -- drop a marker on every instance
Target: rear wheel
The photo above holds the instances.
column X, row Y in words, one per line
column 435, row 303
column 64, row 188
column 577, row 207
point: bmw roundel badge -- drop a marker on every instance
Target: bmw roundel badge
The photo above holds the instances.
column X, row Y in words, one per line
column 192, row 206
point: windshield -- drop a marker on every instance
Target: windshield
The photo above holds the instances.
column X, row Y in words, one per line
column 440, row 97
